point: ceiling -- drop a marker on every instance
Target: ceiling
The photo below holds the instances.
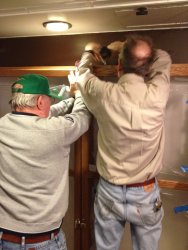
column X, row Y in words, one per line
column 24, row 18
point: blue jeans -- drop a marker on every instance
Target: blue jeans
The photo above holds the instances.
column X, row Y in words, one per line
column 115, row 205
column 58, row 242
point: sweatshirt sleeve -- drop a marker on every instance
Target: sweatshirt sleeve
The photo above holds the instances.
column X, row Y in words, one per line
column 77, row 122
column 62, row 107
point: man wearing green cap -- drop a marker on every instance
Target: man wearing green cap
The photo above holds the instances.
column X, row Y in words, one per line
column 34, row 164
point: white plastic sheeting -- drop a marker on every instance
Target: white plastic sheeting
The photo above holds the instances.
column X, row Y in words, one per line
column 176, row 123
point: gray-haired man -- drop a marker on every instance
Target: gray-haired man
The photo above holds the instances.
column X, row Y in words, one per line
column 34, row 165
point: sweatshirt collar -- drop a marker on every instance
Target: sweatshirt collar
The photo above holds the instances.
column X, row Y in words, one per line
column 23, row 113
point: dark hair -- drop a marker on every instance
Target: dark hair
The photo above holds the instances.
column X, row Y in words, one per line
column 129, row 61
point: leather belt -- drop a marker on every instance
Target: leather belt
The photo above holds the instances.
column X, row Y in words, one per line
column 142, row 184
column 29, row 238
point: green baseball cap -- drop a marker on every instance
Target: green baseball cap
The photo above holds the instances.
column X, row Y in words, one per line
column 34, row 84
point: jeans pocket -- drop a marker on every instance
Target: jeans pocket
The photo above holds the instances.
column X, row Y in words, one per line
column 104, row 207
column 149, row 215
column 108, row 209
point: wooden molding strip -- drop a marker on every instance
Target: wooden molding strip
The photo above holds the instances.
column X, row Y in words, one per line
column 179, row 70
column 49, row 71
column 169, row 184
column 60, row 71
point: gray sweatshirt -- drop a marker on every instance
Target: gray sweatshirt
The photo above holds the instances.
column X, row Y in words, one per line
column 34, row 167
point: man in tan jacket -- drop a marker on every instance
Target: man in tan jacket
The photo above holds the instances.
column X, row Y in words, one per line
column 130, row 117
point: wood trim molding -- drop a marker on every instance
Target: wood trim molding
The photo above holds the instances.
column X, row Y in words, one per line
column 169, row 184
column 61, row 71
column 179, row 70
column 49, row 71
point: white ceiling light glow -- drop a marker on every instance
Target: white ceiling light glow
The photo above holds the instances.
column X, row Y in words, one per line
column 57, row 26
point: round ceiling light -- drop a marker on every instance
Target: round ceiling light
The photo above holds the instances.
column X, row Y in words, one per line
column 57, row 25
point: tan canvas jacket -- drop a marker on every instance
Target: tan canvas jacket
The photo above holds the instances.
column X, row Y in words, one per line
column 130, row 116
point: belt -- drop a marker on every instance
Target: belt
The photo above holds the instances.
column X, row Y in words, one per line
column 29, row 238
column 142, row 184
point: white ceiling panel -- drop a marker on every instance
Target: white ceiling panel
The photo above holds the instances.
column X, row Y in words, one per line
column 24, row 18
column 161, row 16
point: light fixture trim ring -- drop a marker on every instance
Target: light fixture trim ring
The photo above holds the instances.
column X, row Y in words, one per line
column 69, row 25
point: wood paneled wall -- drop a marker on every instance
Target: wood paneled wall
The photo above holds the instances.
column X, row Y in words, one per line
column 65, row 50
